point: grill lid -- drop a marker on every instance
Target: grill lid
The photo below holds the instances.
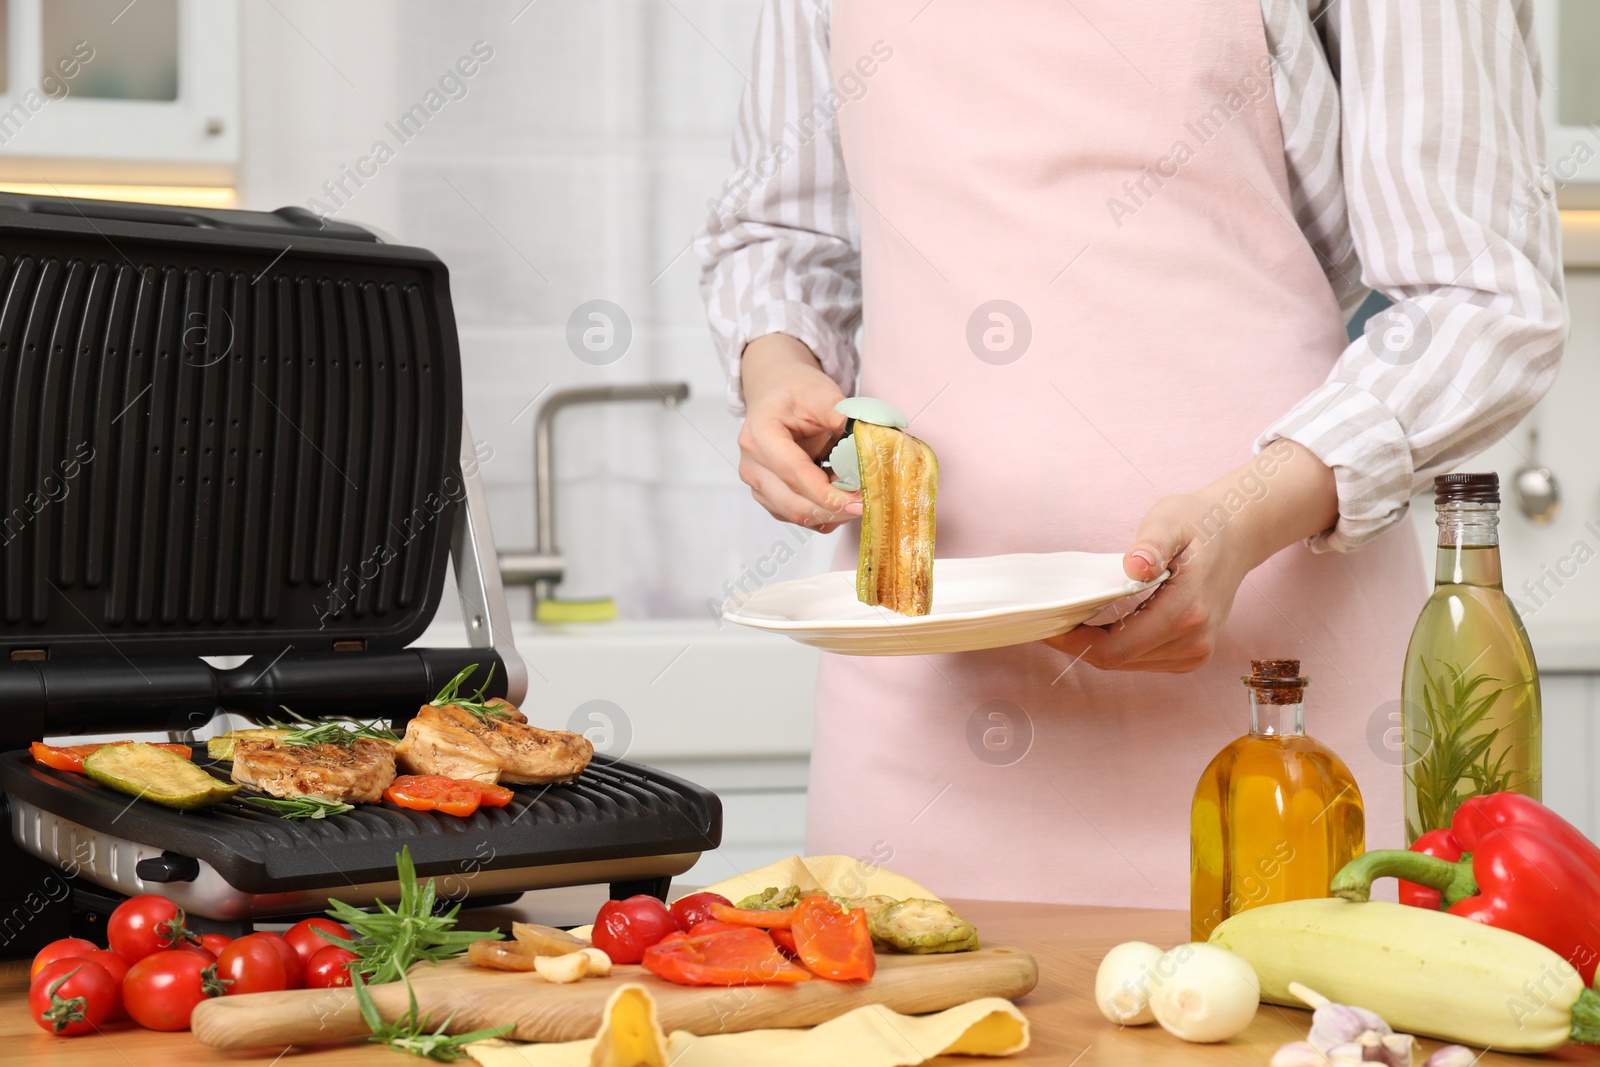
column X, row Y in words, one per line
column 222, row 432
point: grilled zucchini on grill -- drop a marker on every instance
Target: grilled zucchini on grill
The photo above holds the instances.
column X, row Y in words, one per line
column 152, row 773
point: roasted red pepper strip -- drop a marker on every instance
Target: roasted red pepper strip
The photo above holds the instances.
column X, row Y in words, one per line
column 784, row 939
column 767, row 920
column 70, row 757
column 1523, row 868
column 745, row 956
column 452, row 796
column 833, row 942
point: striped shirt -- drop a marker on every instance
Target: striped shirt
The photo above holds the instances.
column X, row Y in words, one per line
column 1415, row 157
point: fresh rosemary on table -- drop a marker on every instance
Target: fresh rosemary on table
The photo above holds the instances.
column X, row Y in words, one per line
column 1447, row 754
column 410, row 1032
column 302, row 807
column 390, row 940
column 328, row 731
column 473, row 705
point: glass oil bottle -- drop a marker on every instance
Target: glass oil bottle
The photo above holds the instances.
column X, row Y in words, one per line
column 1470, row 690
column 1276, row 814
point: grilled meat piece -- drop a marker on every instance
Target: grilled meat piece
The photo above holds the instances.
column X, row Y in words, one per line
column 355, row 774
column 456, row 743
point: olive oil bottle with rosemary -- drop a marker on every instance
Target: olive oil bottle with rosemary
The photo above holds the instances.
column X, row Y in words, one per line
column 1276, row 814
column 1470, row 691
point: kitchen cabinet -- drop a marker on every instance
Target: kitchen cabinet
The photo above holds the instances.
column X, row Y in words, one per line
column 1569, row 747
column 95, row 91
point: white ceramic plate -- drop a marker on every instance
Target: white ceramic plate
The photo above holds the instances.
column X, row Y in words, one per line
column 986, row 602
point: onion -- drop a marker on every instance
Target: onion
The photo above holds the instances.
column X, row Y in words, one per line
column 1204, row 993
column 1124, row 982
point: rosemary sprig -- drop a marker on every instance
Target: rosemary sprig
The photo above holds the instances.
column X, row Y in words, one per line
column 474, row 704
column 328, row 731
column 302, row 807
column 390, row 940
column 1452, row 760
column 410, row 1032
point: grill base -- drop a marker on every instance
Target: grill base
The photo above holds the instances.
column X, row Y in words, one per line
column 111, row 862
column 620, row 823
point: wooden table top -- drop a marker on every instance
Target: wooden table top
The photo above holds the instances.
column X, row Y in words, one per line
column 1067, row 1029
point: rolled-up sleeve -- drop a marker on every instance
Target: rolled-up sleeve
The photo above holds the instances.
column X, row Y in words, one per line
column 778, row 251
column 1454, row 218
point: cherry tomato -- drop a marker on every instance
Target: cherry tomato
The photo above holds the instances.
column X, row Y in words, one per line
column 215, row 943
column 253, row 964
column 305, row 939
column 161, row 990
column 695, row 908
column 625, row 928
column 199, row 950
column 453, row 796
column 293, row 968
column 145, row 924
column 328, row 968
column 71, row 997
column 67, row 948
column 117, row 968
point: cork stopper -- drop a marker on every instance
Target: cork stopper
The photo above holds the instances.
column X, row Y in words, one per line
column 1277, row 681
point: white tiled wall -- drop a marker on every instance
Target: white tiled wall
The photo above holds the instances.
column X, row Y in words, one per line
column 576, row 167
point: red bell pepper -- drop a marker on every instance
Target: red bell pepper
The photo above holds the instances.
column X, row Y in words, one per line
column 70, row 757
column 745, row 956
column 1506, row 861
column 833, row 941
column 765, row 919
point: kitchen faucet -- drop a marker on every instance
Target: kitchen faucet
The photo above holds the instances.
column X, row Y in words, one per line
column 543, row 567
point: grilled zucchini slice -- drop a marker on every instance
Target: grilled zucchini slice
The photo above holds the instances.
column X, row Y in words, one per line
column 221, row 746
column 155, row 774
column 899, row 481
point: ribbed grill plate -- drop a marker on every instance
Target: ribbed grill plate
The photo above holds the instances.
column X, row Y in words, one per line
column 202, row 439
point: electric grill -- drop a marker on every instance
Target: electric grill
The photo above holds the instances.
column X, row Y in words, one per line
column 240, row 434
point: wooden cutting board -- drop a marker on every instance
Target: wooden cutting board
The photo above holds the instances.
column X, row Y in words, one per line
column 545, row 1012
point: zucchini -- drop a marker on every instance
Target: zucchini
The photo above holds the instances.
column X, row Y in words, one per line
column 152, row 773
column 221, row 746
column 1426, row 972
column 899, row 481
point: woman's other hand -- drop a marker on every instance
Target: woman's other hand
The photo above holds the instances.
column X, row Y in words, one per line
column 789, row 425
column 1210, row 540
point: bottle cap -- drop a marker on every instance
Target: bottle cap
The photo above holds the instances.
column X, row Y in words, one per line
column 1280, row 680
column 1466, row 488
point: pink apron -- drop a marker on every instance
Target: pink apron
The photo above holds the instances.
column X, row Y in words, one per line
column 1114, row 169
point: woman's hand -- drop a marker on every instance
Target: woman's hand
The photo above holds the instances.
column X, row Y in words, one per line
column 1210, row 540
column 790, row 424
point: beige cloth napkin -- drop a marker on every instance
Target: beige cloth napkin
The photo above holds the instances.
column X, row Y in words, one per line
column 871, row 1036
